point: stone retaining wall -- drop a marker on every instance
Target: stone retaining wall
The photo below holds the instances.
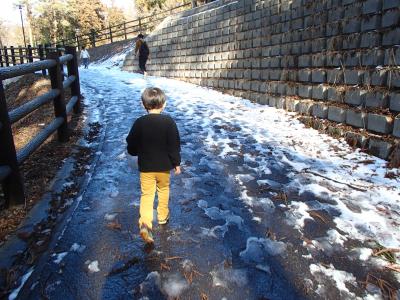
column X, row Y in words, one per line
column 328, row 59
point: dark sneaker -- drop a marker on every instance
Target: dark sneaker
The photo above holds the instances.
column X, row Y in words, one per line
column 165, row 221
column 146, row 234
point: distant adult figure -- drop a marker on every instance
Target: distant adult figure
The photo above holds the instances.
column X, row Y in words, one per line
column 142, row 51
column 85, row 57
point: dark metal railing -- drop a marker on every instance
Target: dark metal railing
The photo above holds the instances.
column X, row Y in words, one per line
column 10, row 159
column 123, row 31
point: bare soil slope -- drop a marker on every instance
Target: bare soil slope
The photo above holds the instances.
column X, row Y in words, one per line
column 41, row 167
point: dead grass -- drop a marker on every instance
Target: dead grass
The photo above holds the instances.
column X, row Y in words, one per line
column 281, row 196
column 388, row 291
column 386, row 253
column 317, row 215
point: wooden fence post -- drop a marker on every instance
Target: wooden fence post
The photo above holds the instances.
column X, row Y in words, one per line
column 93, row 37
column 59, row 101
column 46, row 50
column 21, row 55
column 77, row 42
column 140, row 25
column 30, row 55
column 72, row 66
column 13, row 186
column 58, row 46
column 14, row 61
column 41, row 57
column 125, row 31
column 6, row 56
column 111, row 39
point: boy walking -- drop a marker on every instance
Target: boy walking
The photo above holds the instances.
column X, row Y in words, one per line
column 154, row 138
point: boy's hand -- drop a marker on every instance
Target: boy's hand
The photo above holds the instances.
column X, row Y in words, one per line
column 177, row 170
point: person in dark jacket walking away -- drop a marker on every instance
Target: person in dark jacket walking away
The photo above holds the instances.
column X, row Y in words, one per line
column 142, row 50
column 154, row 138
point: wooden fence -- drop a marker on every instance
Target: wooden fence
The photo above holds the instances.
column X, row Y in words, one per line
column 12, row 56
column 10, row 160
column 123, row 31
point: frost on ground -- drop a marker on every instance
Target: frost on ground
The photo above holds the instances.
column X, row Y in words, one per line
column 14, row 294
column 214, row 213
column 59, row 257
column 171, row 285
column 281, row 168
column 174, row 285
column 226, row 276
column 257, row 249
column 93, row 266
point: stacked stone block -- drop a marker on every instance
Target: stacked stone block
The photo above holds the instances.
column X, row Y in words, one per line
column 331, row 59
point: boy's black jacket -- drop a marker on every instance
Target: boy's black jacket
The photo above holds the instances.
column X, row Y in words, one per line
column 154, row 138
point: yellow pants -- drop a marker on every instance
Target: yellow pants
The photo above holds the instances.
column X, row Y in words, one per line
column 149, row 182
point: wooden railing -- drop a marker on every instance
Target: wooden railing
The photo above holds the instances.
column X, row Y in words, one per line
column 123, row 31
column 10, row 160
column 12, row 56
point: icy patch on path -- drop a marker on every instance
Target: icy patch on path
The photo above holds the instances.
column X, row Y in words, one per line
column 339, row 277
column 214, row 213
column 24, row 278
column 226, row 276
column 256, row 248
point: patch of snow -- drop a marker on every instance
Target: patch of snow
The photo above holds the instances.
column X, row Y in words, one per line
column 264, row 268
column 151, row 283
column 110, row 217
column 257, row 219
column 258, row 248
column 226, row 277
column 321, row 273
column 297, row 214
column 77, row 247
column 93, row 266
column 14, row 293
column 218, row 231
column 202, row 204
column 174, row 286
column 59, row 257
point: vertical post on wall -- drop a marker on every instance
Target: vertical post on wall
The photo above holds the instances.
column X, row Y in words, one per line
column 14, row 62
column 21, row 55
column 13, row 186
column 72, row 66
column 59, row 101
column 41, row 57
column 125, row 31
column 30, row 55
column 111, row 39
column 93, row 36
column 140, row 25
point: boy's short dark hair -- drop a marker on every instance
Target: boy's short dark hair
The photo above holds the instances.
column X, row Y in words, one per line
column 140, row 36
column 153, row 98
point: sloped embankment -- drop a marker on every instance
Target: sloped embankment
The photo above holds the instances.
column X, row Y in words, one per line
column 38, row 170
